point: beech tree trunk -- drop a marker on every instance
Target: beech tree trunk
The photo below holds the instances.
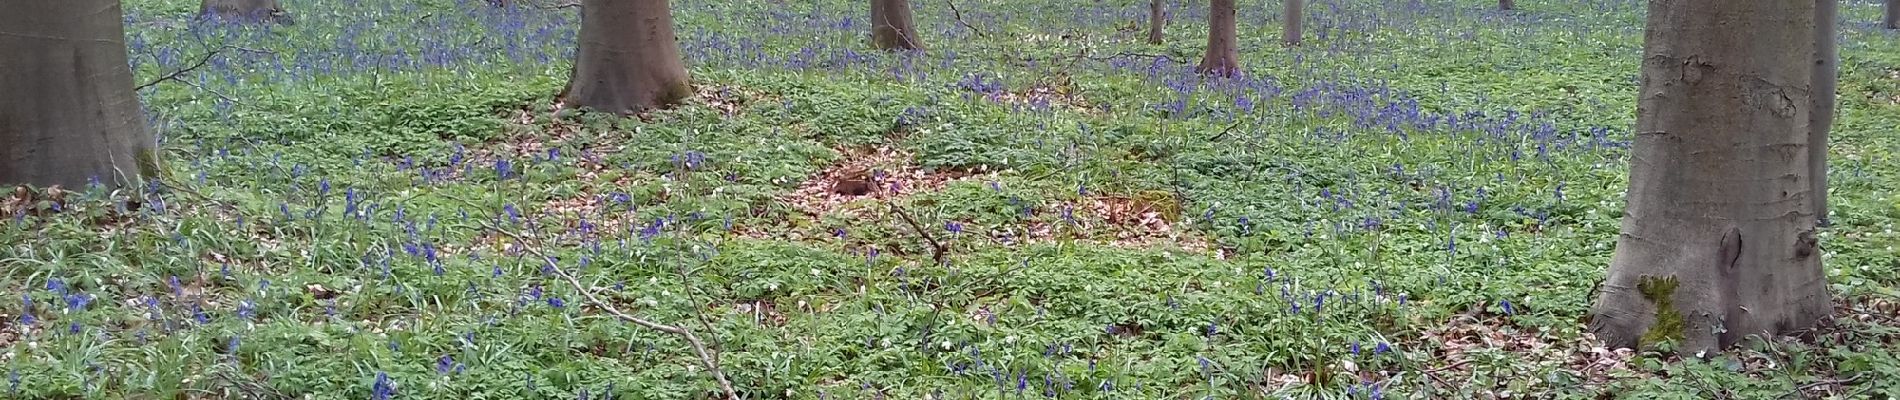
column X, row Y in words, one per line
column 1157, row 22
column 1892, row 21
column 1223, row 51
column 1718, row 236
column 629, row 61
column 1507, row 5
column 68, row 116
column 891, row 27
column 1821, row 120
column 1292, row 31
column 245, row 10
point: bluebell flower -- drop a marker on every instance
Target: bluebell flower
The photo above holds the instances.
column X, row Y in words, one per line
column 444, row 364
column 74, row 328
column 556, row 302
column 954, row 227
column 1506, row 305
column 78, row 301
column 382, row 389
column 246, row 309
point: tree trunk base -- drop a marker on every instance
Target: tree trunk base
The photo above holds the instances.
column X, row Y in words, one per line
column 628, row 61
column 891, row 26
column 1717, row 242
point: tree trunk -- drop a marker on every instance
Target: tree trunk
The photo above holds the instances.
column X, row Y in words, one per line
column 1892, row 21
column 1223, row 51
column 629, row 61
column 1157, row 22
column 1507, row 5
column 1718, row 237
column 1821, row 119
column 1295, row 16
column 245, row 10
column 891, row 27
column 69, row 116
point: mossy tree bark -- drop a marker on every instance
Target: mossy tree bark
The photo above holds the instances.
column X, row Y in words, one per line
column 245, row 10
column 891, row 27
column 69, row 116
column 1223, row 44
column 628, row 61
column 1718, row 237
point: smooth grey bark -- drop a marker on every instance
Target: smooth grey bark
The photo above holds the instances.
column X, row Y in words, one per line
column 1826, row 74
column 68, row 115
column 1157, row 22
column 1292, row 30
column 1223, row 43
column 628, row 61
column 891, row 27
column 1507, row 5
column 1718, row 236
column 1892, row 20
column 245, row 10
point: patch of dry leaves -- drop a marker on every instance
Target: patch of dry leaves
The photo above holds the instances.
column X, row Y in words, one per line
column 878, row 173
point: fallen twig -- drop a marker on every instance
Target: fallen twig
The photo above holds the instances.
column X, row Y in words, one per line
column 1824, row 382
column 706, row 358
column 1143, row 55
column 1224, row 132
column 958, row 14
column 1447, row 367
column 938, row 252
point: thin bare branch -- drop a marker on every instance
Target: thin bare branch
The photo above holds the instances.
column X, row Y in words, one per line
column 938, row 252
column 958, row 14
column 707, row 358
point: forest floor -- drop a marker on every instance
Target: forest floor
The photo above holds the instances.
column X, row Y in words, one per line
column 1415, row 204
